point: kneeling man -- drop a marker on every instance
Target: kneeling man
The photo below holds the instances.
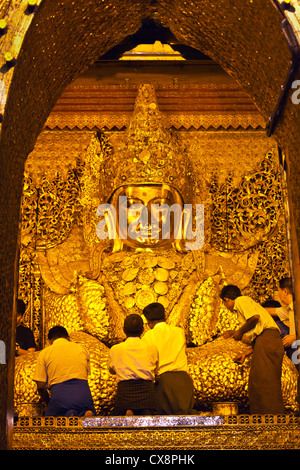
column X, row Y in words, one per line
column 63, row 367
column 174, row 389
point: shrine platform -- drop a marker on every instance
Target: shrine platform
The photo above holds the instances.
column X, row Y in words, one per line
column 159, row 433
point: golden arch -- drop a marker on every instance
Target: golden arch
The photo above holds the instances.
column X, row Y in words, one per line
column 53, row 44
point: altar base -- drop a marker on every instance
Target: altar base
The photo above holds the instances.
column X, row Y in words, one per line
column 159, row 433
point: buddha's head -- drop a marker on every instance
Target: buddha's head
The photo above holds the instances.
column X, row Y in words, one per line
column 146, row 181
column 147, row 216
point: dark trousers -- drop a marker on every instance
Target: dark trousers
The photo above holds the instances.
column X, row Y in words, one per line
column 264, row 386
column 174, row 393
column 70, row 398
column 135, row 395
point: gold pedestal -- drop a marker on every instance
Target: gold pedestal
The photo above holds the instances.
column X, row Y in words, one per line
column 159, row 433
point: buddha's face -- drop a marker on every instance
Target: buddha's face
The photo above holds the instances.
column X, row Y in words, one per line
column 147, row 215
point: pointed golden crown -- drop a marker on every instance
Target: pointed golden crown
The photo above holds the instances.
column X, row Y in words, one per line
column 150, row 153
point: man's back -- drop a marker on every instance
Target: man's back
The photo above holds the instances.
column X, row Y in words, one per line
column 170, row 342
column 63, row 360
column 133, row 359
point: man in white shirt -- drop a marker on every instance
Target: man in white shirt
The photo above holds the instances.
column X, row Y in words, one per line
column 63, row 367
column 174, row 389
column 134, row 363
column 285, row 292
column 264, row 386
column 284, row 315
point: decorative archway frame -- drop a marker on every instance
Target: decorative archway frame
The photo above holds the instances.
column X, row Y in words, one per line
column 50, row 43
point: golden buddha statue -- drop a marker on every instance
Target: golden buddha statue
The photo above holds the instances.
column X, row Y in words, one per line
column 143, row 242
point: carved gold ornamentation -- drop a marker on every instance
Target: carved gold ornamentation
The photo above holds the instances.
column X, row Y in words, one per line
column 252, row 208
column 58, row 197
column 150, row 154
column 250, row 216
